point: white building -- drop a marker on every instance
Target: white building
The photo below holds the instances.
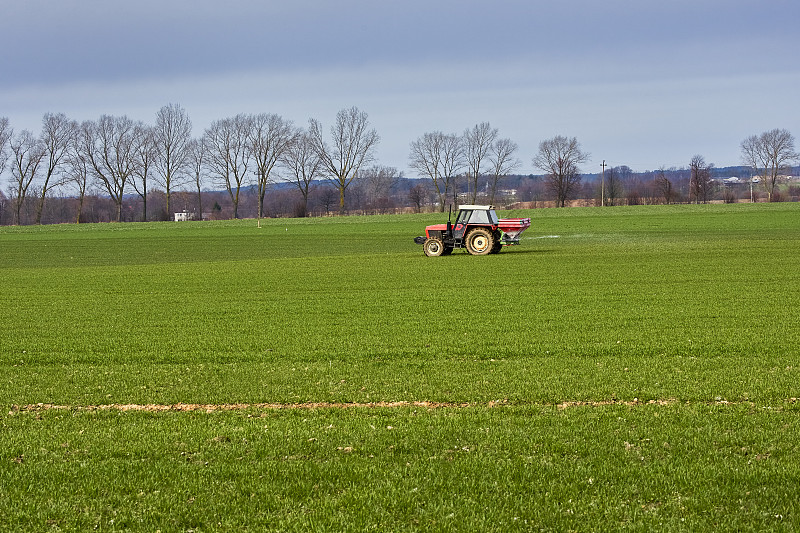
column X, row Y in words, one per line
column 183, row 216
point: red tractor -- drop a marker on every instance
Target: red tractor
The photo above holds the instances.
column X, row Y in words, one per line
column 477, row 229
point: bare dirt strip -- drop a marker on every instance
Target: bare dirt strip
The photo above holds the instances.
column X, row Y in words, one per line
column 210, row 408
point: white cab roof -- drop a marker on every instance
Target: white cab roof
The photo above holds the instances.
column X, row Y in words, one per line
column 475, row 207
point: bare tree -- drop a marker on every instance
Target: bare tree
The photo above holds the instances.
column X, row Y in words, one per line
column 229, row 154
column 769, row 155
column 78, row 166
column 57, row 134
column 664, row 186
column 625, row 173
column 270, row 137
column 145, row 151
column 378, row 181
column 353, row 145
column 477, row 143
column 197, row 162
column 700, row 183
column 452, row 162
column 417, row 195
column 614, row 188
column 327, row 198
column 503, row 162
column 5, row 136
column 109, row 146
column 426, row 159
column 303, row 164
column 172, row 134
column 559, row 158
column 438, row 156
column 356, row 195
column 27, row 154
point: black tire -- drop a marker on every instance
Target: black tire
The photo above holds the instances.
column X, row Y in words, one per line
column 433, row 247
column 497, row 244
column 480, row 241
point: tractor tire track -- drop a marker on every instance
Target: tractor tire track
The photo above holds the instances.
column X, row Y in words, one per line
column 210, row 408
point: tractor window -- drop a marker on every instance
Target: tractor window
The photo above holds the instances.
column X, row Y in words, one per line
column 479, row 217
column 463, row 217
column 493, row 217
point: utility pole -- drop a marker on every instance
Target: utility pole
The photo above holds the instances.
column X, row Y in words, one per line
column 603, row 185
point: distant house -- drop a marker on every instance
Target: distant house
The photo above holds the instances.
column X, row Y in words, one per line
column 183, row 216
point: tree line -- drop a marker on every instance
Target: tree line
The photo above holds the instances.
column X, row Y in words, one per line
column 118, row 161
column 450, row 159
column 122, row 157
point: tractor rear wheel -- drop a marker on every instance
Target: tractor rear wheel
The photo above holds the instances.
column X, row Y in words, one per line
column 433, row 247
column 480, row 241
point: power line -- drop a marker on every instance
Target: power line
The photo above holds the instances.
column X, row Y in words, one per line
column 603, row 185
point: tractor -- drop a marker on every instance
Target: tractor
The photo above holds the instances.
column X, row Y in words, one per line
column 477, row 229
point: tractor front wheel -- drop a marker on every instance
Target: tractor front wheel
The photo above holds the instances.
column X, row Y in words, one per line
column 480, row 241
column 433, row 247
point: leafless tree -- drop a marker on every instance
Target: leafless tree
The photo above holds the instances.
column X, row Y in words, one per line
column 452, row 162
column 327, row 198
column 5, row 136
column 57, row 134
column 769, row 155
column 477, row 143
column 109, row 146
column 700, row 183
column 78, row 166
column 197, row 163
column 559, row 158
column 418, row 195
column 270, row 137
column 503, row 162
column 378, row 181
column 27, row 154
column 172, row 134
column 353, row 145
column 303, row 164
column 438, row 156
column 427, row 158
column 229, row 153
column 614, row 189
column 625, row 173
column 664, row 186
column 146, row 153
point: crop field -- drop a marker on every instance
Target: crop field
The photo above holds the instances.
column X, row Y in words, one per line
column 624, row 368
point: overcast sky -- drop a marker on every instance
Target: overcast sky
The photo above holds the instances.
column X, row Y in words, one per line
column 642, row 83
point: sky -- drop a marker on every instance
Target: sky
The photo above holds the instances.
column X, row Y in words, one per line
column 639, row 83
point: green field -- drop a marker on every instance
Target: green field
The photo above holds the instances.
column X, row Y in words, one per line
column 624, row 368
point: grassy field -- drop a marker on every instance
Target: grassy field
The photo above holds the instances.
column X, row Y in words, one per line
column 629, row 368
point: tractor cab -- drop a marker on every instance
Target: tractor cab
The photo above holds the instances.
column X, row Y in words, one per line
column 471, row 215
column 477, row 214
